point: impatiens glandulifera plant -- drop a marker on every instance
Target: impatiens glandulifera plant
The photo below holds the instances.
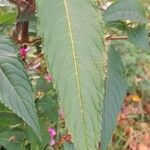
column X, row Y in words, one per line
column 71, row 80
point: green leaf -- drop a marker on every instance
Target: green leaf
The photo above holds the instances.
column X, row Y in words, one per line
column 42, row 85
column 139, row 37
column 9, row 145
column 68, row 146
column 120, row 25
column 72, row 32
column 125, row 10
column 30, row 135
column 3, row 108
column 49, row 107
column 11, row 139
column 115, row 91
column 15, row 131
column 15, row 88
column 7, row 18
column 8, row 119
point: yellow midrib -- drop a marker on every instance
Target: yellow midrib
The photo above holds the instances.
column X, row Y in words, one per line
column 75, row 64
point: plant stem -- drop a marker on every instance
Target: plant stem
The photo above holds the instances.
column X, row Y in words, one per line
column 24, row 33
column 111, row 38
column 34, row 59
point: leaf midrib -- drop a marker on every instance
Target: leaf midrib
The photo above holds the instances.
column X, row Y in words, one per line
column 75, row 67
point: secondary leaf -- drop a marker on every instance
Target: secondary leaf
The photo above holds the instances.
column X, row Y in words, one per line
column 125, row 10
column 139, row 37
column 7, row 18
column 120, row 25
column 115, row 90
column 8, row 119
column 10, row 145
column 11, row 138
column 30, row 135
column 15, row 88
column 42, row 85
column 72, row 32
column 48, row 106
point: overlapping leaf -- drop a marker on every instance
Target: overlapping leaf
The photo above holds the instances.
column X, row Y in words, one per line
column 115, row 91
column 73, row 46
column 139, row 37
column 125, row 10
column 15, row 88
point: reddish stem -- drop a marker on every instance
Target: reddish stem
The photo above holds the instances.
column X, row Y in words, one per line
column 24, row 32
column 110, row 38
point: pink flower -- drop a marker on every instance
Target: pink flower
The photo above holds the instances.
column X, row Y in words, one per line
column 52, row 142
column 52, row 132
column 48, row 77
column 23, row 51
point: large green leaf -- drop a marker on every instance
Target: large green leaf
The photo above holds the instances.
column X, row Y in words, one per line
column 139, row 37
column 115, row 91
column 125, row 10
column 72, row 31
column 15, row 88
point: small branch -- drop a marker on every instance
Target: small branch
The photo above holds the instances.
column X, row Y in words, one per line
column 62, row 140
column 111, row 38
column 33, row 60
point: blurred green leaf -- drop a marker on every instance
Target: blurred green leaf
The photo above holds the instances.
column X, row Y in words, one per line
column 10, row 145
column 125, row 10
column 120, row 25
column 8, row 119
column 43, row 85
column 68, row 146
column 7, row 18
column 144, row 87
column 139, row 37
